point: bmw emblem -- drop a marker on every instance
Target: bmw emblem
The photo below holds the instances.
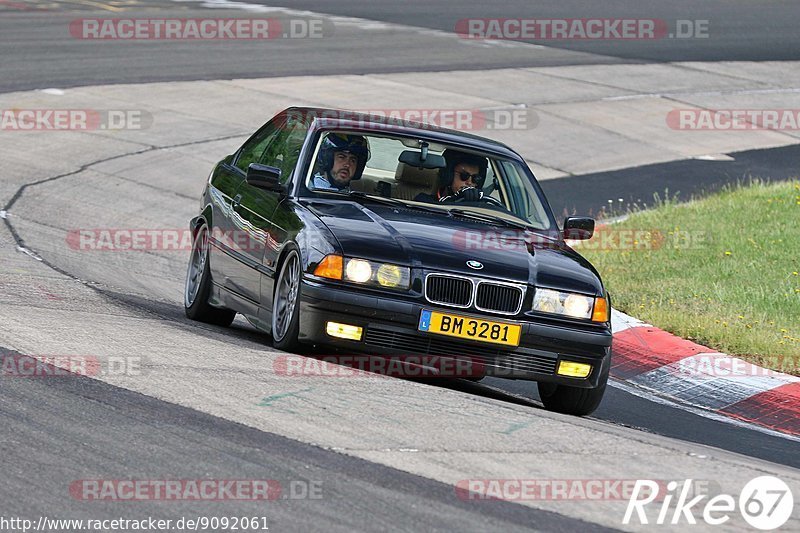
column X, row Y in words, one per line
column 477, row 265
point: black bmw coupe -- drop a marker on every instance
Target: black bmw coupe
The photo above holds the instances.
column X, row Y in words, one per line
column 386, row 237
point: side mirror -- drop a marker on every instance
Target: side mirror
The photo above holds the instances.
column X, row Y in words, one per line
column 265, row 177
column 578, row 228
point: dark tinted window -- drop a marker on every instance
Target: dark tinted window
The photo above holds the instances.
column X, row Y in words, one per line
column 284, row 149
column 254, row 148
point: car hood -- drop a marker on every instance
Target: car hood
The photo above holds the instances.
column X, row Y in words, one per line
column 437, row 242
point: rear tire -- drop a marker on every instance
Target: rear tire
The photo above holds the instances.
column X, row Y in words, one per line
column 572, row 400
column 198, row 286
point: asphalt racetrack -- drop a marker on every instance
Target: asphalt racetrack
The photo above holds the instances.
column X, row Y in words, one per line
column 204, row 402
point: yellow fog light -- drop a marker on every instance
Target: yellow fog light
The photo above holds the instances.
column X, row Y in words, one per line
column 389, row 275
column 574, row 370
column 393, row 276
column 344, row 331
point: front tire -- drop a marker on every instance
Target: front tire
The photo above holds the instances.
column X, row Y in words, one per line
column 572, row 400
column 285, row 304
column 198, row 286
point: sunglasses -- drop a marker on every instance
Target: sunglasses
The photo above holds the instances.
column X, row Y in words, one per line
column 464, row 176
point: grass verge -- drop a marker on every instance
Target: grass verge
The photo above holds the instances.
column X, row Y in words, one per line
column 722, row 271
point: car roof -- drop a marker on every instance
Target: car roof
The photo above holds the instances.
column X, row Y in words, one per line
column 322, row 118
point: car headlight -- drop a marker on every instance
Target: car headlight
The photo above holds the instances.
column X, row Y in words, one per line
column 570, row 304
column 364, row 272
column 358, row 270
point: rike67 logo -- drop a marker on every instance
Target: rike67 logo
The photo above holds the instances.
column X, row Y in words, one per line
column 766, row 503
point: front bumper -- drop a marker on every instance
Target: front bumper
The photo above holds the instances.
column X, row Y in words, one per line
column 390, row 328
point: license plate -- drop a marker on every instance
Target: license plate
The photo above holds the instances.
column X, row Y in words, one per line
column 465, row 327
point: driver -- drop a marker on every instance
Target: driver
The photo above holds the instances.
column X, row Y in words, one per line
column 461, row 179
column 341, row 159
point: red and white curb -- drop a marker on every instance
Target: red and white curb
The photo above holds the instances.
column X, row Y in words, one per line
column 716, row 385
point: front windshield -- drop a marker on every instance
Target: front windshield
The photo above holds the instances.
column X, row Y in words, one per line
column 427, row 174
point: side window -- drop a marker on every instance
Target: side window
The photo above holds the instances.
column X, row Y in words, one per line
column 524, row 198
column 284, row 150
column 253, row 149
column 493, row 186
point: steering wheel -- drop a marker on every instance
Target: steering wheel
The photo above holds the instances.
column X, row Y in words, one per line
column 457, row 199
column 491, row 200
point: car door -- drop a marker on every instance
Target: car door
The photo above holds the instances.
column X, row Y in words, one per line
column 255, row 208
column 231, row 263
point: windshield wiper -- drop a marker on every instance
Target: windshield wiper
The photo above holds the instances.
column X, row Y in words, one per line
column 486, row 217
column 377, row 199
column 365, row 196
column 395, row 202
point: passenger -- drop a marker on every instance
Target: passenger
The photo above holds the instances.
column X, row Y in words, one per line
column 463, row 177
column 341, row 159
